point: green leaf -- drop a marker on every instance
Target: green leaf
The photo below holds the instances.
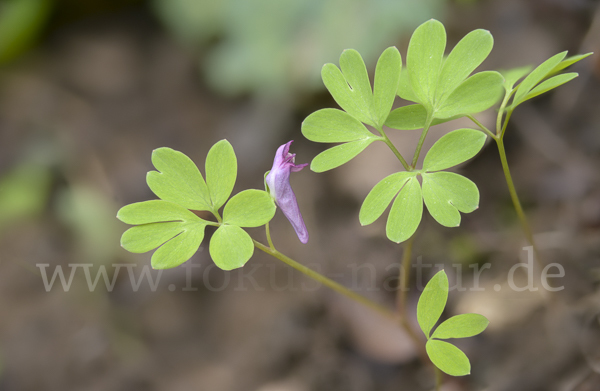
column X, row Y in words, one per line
column 178, row 180
column 511, row 76
column 454, row 148
column 179, row 231
column 350, row 86
column 146, row 237
column 537, row 75
column 405, row 90
column 412, row 117
column 179, row 249
column 461, row 326
column 408, row 117
column 567, row 62
column 154, row 211
column 333, row 126
column 550, row 84
column 230, row 247
column 381, row 195
column 406, row 212
column 221, row 172
column 478, row 93
column 385, row 86
column 432, row 302
column 448, row 358
column 467, row 55
column 249, row 208
column 338, row 155
column 447, row 193
column 424, row 59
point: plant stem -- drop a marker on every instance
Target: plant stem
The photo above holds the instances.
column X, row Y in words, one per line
column 393, row 148
column 439, row 378
column 403, row 278
column 269, row 236
column 515, row 199
column 422, row 139
column 401, row 297
column 326, row 281
column 482, row 127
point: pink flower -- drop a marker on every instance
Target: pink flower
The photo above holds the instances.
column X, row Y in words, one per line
column 278, row 181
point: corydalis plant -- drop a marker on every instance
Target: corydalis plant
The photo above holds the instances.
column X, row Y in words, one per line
column 170, row 224
column 442, row 88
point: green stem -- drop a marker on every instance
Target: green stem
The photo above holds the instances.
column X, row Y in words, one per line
column 326, row 281
column 404, row 277
column 401, row 298
column 515, row 199
column 482, row 127
column 393, row 148
column 439, row 378
column 422, row 139
column 269, row 237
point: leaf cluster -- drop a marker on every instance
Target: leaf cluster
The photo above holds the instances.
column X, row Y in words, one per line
column 442, row 88
column 170, row 224
column 444, row 355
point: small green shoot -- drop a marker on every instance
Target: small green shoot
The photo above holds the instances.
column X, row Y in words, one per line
column 447, row 357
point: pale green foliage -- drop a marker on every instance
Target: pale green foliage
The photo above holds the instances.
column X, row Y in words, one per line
column 453, row 148
column 249, row 208
column 441, row 85
column 430, row 307
column 230, row 247
column 542, row 79
column 170, row 225
column 177, row 231
column 447, row 193
column 432, row 302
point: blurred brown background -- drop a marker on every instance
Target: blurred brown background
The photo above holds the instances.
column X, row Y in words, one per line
column 89, row 88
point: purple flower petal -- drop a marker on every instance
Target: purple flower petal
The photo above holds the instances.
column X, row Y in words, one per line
column 278, row 181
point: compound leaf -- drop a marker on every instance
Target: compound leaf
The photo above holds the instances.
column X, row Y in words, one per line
column 221, row 172
column 454, row 148
column 178, row 230
column 178, row 180
column 478, row 93
column 424, row 59
column 432, row 302
column 412, row 117
column 350, row 86
column 550, row 84
column 230, row 247
column 406, row 212
column 333, row 126
column 381, row 195
column 461, row 326
column 537, row 75
column 407, row 117
column 179, row 249
column 249, row 208
column 467, row 55
column 567, row 62
column 338, row 155
column 154, row 211
column 447, row 193
column 385, row 86
column 448, row 358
